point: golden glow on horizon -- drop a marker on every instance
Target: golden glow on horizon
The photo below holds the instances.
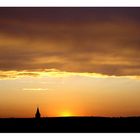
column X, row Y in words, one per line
column 70, row 95
column 65, row 114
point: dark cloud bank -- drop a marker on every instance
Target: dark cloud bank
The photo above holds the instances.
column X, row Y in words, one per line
column 99, row 40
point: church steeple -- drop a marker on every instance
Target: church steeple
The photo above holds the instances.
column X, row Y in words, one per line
column 37, row 115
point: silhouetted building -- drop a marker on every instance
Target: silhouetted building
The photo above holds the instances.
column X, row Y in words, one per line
column 37, row 115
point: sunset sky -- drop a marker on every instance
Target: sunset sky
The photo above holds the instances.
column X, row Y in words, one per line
column 69, row 61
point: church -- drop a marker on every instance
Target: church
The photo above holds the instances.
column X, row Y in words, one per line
column 37, row 114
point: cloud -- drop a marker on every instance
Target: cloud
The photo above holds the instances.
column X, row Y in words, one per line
column 45, row 73
column 17, row 74
column 35, row 89
column 77, row 40
column 10, row 75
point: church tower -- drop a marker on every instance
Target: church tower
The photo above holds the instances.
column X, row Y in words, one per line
column 37, row 114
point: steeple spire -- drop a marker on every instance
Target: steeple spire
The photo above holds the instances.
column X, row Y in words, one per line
column 37, row 115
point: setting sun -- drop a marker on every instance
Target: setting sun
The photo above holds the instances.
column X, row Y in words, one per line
column 65, row 114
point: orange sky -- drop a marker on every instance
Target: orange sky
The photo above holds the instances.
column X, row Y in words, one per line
column 69, row 61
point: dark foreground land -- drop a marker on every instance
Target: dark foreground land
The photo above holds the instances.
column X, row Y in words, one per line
column 71, row 124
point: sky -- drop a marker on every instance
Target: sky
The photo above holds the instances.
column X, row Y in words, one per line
column 69, row 61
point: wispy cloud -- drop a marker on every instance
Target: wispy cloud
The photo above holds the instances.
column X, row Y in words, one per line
column 35, row 89
column 4, row 75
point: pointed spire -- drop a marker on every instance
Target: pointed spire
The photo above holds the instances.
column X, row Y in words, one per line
column 37, row 115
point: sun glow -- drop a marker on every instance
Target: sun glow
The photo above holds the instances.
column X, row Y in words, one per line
column 65, row 114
